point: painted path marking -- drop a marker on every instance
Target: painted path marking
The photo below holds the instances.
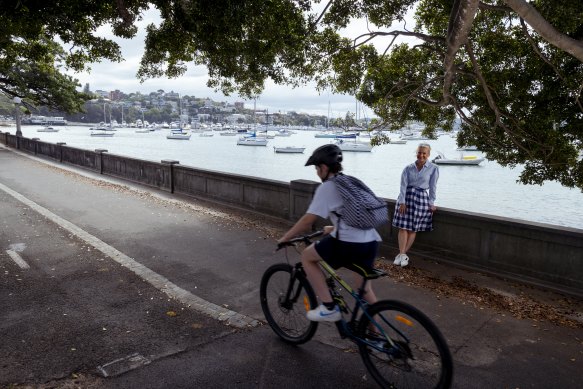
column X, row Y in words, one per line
column 18, row 259
column 158, row 281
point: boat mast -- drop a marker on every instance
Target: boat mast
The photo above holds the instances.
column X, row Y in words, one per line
column 328, row 117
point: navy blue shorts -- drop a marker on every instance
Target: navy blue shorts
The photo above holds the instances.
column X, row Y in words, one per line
column 343, row 254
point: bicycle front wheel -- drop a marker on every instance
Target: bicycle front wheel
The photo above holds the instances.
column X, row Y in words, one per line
column 419, row 356
column 286, row 296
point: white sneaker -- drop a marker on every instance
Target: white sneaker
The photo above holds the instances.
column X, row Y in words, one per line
column 398, row 259
column 404, row 260
column 324, row 314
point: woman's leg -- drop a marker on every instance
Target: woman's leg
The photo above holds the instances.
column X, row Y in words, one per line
column 406, row 239
column 310, row 259
column 403, row 238
column 410, row 239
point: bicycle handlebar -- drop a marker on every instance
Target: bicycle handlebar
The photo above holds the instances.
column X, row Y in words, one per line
column 303, row 238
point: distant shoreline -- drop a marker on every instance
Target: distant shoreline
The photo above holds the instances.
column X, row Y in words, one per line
column 77, row 124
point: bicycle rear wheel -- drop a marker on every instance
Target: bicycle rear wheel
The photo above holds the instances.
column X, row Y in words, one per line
column 420, row 357
column 286, row 312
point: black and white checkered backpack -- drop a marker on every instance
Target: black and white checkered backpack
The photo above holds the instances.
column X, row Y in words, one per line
column 362, row 208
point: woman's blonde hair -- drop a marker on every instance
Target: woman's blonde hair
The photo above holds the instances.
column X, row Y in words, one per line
column 424, row 145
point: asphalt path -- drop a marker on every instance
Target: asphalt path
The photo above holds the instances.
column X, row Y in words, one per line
column 131, row 287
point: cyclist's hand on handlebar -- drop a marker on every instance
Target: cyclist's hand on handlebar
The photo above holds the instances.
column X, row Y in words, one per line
column 306, row 239
column 281, row 243
column 328, row 229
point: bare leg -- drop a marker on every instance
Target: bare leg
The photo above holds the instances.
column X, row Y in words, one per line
column 410, row 239
column 317, row 279
column 370, row 295
column 370, row 298
column 403, row 238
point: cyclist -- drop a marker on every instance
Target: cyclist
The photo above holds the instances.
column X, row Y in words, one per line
column 355, row 244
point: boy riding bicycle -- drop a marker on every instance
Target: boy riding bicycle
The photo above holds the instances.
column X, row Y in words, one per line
column 355, row 244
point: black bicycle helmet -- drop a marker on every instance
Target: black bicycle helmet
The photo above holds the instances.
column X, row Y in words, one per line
column 327, row 155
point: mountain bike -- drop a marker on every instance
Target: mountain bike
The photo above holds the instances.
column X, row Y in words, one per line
column 399, row 345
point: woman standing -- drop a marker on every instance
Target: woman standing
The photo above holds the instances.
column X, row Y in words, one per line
column 415, row 205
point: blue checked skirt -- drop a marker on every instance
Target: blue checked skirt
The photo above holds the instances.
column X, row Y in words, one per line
column 418, row 216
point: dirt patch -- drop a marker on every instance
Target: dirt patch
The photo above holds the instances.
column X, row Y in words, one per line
column 521, row 307
column 74, row 381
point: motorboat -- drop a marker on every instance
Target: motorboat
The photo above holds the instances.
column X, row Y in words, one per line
column 45, row 120
column 206, row 134
column 398, row 141
column 252, row 140
column 143, row 131
column 102, row 127
column 289, row 150
column 354, row 146
column 325, row 134
column 283, row 133
column 346, row 135
column 413, row 135
column 229, row 133
column 47, row 129
column 264, row 134
column 467, row 148
column 178, row 135
column 463, row 160
column 102, row 132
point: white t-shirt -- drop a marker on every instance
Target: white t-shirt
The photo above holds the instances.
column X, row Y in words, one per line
column 327, row 200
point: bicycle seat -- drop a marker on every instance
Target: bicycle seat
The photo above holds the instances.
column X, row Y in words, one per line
column 367, row 272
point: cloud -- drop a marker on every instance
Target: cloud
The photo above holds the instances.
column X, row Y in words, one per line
column 306, row 99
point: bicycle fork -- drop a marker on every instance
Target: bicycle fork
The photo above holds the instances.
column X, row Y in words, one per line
column 291, row 296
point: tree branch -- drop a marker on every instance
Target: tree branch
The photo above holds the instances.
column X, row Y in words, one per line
column 537, row 51
column 460, row 23
column 498, row 114
column 538, row 23
column 577, row 99
column 322, row 14
column 372, row 35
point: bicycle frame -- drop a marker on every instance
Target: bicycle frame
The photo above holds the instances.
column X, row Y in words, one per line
column 345, row 328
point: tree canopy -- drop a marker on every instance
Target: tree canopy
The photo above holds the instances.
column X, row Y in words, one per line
column 512, row 70
column 40, row 39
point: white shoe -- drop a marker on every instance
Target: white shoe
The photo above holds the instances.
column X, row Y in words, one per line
column 324, row 314
column 404, row 260
column 398, row 259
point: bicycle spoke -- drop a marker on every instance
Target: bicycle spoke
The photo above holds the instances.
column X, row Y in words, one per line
column 417, row 355
column 287, row 314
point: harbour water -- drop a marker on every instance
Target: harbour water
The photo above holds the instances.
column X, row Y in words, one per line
column 488, row 189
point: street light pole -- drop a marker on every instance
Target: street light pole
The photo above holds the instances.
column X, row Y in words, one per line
column 17, row 100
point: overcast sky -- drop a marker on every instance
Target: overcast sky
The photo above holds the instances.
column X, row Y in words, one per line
column 111, row 76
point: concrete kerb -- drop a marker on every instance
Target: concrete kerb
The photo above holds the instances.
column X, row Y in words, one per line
column 230, row 318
